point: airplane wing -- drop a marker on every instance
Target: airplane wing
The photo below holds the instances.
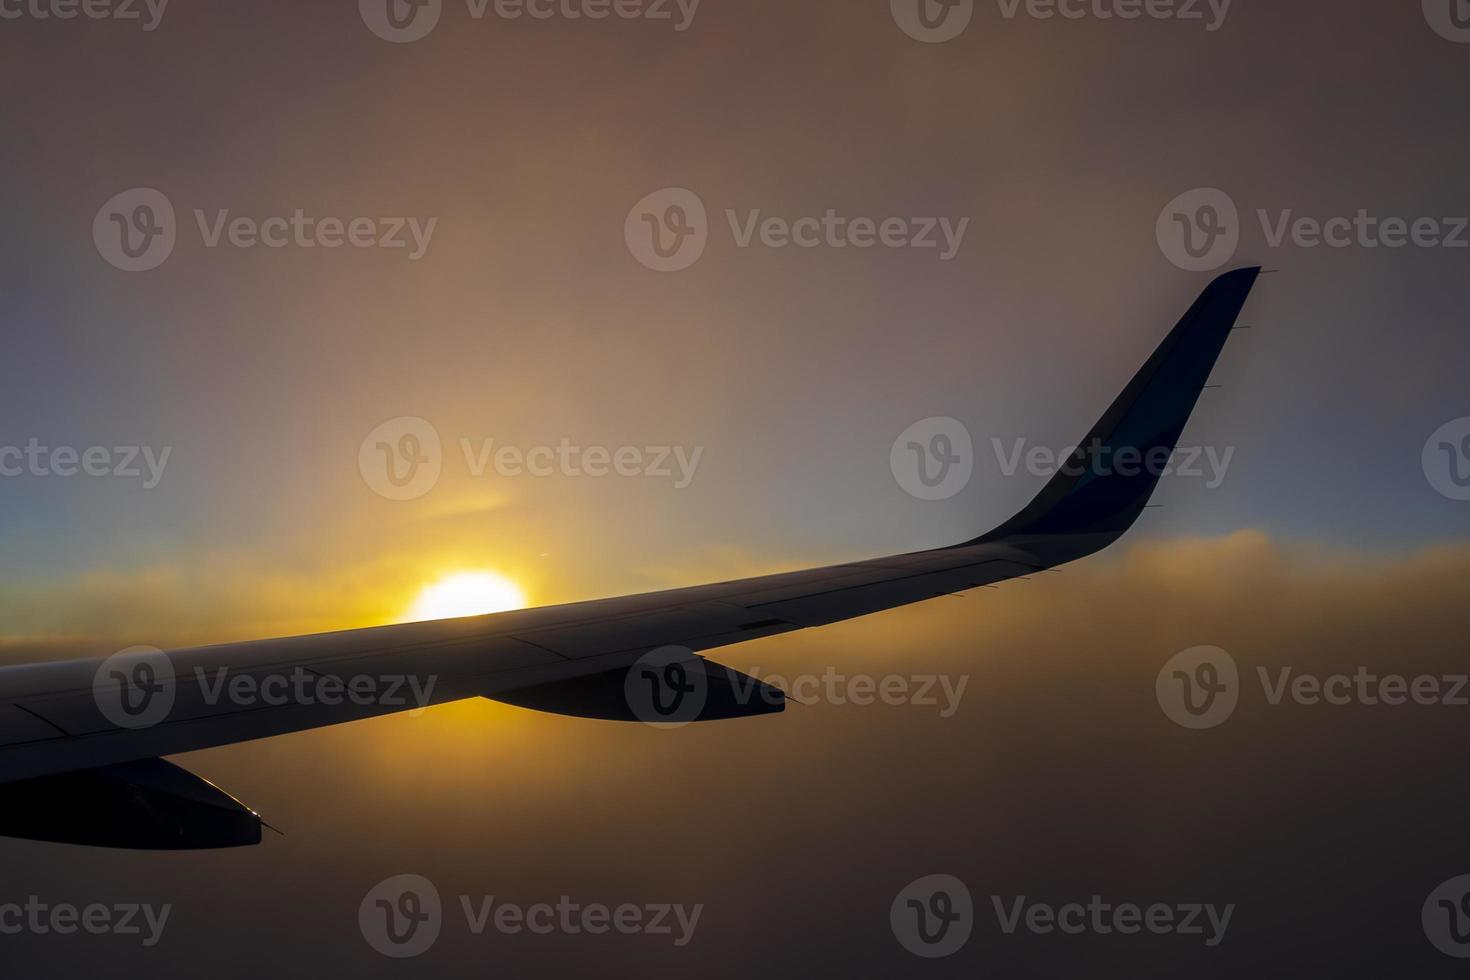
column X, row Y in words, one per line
column 82, row 741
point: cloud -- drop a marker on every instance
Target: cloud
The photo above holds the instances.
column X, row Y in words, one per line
column 1060, row 777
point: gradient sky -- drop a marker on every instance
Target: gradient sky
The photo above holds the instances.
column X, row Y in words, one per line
column 529, row 321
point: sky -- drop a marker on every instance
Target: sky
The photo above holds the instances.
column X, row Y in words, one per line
column 506, row 289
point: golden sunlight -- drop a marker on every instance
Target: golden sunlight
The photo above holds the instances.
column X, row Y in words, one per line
column 466, row 594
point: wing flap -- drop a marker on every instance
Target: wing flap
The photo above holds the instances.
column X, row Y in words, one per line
column 145, row 805
column 676, row 690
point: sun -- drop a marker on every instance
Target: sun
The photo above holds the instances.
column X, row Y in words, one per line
column 466, row 594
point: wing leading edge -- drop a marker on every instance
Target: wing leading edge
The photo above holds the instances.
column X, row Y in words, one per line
column 98, row 718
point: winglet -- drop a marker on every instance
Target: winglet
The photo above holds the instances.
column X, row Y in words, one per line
column 1107, row 482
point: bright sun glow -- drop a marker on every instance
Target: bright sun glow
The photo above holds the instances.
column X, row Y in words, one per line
column 466, row 594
